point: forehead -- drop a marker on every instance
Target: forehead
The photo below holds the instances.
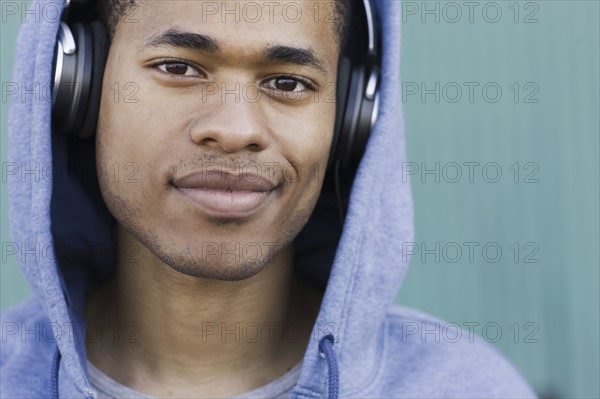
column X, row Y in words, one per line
column 250, row 25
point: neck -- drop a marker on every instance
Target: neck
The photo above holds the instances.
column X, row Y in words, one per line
column 172, row 334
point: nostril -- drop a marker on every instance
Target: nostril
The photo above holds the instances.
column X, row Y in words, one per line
column 254, row 147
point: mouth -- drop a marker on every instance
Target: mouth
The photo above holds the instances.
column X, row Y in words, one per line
column 224, row 195
column 226, row 203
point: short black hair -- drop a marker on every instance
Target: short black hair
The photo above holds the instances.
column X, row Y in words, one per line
column 111, row 11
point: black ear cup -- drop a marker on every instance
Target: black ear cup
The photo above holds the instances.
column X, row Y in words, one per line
column 344, row 76
column 79, row 59
column 366, row 117
column 100, row 52
column 357, row 92
column 351, row 117
column 72, row 74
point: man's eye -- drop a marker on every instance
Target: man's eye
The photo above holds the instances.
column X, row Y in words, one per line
column 177, row 68
column 289, row 84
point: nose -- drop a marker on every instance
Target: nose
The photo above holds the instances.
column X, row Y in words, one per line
column 231, row 120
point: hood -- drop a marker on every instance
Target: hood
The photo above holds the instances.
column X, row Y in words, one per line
column 61, row 212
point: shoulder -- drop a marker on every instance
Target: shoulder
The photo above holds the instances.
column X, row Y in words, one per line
column 448, row 359
column 25, row 334
column 25, row 309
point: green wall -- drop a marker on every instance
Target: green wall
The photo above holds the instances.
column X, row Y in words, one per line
column 551, row 129
column 541, row 134
column 13, row 286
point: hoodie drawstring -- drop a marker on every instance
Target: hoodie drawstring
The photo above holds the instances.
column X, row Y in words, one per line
column 326, row 347
column 54, row 374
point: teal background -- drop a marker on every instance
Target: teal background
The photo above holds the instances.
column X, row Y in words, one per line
column 552, row 211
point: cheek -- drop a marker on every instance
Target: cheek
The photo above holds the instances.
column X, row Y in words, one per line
column 122, row 160
column 306, row 145
column 123, row 139
column 113, row 150
column 305, row 136
column 130, row 127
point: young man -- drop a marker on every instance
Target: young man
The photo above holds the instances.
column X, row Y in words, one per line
column 200, row 263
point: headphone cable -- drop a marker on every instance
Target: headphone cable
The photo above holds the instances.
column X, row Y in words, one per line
column 338, row 193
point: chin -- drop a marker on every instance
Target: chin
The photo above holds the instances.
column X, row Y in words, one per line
column 228, row 261
column 215, row 271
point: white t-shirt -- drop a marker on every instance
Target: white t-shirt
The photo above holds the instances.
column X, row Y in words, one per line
column 107, row 388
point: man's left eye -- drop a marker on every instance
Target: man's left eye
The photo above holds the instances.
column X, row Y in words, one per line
column 289, row 84
column 178, row 68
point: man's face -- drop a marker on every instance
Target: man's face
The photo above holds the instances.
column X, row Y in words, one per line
column 253, row 97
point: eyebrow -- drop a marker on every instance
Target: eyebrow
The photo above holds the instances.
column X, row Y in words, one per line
column 294, row 55
column 208, row 44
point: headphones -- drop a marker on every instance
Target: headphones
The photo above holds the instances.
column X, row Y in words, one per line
column 82, row 49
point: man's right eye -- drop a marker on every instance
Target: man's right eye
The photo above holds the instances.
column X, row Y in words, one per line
column 177, row 67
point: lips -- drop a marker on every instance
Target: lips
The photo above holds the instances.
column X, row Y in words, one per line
column 222, row 194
